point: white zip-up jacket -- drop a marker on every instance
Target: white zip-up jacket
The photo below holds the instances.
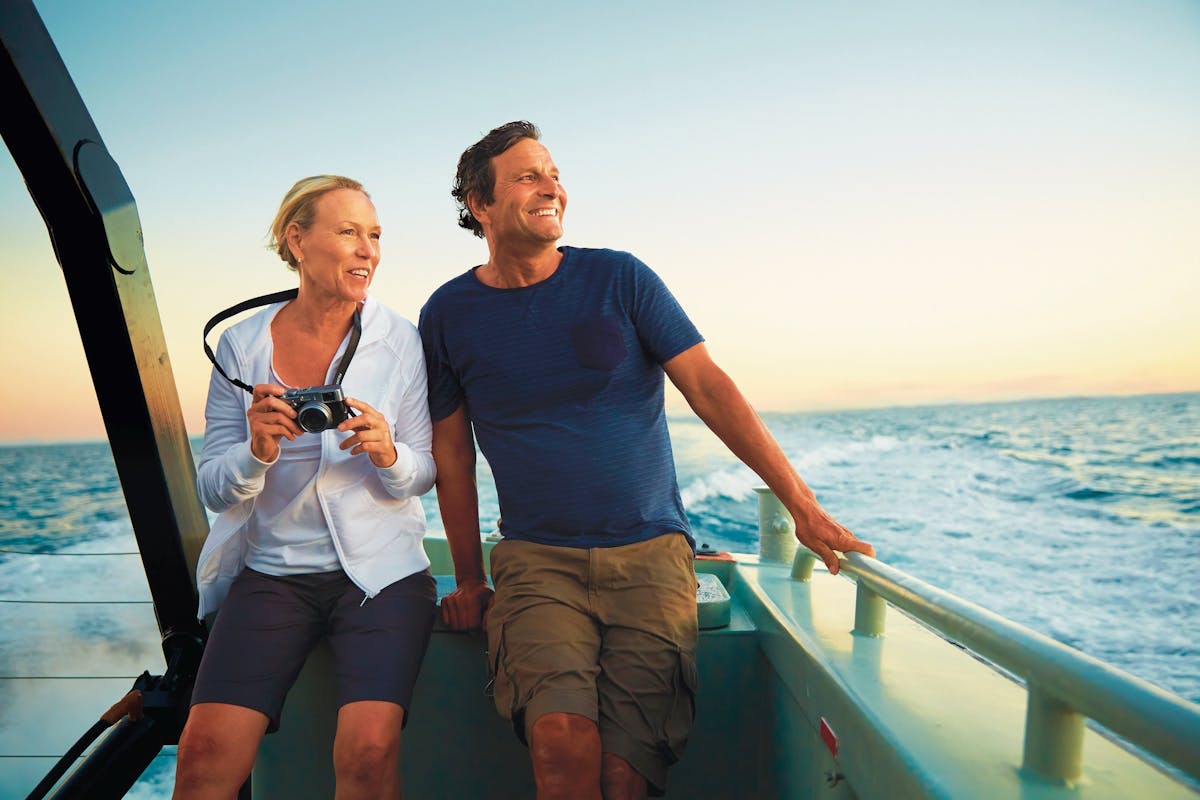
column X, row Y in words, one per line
column 374, row 515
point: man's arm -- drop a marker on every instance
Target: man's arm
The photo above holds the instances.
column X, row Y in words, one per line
column 720, row 404
column 458, row 499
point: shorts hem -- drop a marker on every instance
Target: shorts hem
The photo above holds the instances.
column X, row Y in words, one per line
column 581, row 702
column 272, row 719
column 649, row 765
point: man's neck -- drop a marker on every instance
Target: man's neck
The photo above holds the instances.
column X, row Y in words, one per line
column 507, row 269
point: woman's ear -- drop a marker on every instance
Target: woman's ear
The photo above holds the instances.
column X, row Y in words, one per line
column 293, row 235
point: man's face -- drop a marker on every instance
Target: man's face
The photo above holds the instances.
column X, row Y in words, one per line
column 529, row 201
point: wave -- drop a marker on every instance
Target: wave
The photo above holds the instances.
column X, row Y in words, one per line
column 736, row 483
column 1172, row 462
column 1085, row 493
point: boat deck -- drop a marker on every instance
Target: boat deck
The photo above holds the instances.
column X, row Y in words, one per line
column 793, row 703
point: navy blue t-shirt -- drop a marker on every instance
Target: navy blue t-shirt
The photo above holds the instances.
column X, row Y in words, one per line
column 563, row 383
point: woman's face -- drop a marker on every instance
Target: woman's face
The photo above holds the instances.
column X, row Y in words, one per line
column 339, row 252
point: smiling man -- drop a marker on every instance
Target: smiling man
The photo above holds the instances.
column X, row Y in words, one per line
column 554, row 358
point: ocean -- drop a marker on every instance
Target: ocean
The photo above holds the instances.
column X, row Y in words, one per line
column 1079, row 518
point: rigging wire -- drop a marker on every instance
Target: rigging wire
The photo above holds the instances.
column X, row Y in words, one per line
column 36, row 553
column 79, row 602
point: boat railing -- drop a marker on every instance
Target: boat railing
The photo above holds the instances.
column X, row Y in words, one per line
column 1065, row 686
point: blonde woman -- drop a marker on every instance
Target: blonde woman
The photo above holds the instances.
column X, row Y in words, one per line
column 319, row 523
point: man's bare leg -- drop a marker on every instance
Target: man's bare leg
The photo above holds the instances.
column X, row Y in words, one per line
column 565, row 750
column 619, row 780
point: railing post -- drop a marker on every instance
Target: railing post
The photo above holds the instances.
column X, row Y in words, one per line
column 1053, row 739
column 870, row 612
column 776, row 529
column 802, row 565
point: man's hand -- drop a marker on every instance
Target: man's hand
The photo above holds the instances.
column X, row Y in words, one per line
column 822, row 534
column 467, row 606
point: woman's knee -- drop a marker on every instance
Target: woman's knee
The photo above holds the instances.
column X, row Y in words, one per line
column 204, row 759
column 218, row 746
column 367, row 745
column 367, row 760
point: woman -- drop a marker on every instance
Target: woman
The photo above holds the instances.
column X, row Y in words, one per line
column 317, row 534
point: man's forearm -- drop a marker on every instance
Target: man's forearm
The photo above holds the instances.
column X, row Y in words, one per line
column 458, row 497
column 459, row 504
column 728, row 414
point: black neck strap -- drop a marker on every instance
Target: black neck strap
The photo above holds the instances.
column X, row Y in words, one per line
column 267, row 299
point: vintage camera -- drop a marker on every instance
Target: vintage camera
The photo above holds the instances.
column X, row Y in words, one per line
column 318, row 407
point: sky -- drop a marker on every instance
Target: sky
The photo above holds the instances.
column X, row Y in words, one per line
column 860, row 204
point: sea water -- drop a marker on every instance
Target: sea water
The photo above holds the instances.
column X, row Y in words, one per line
column 1079, row 518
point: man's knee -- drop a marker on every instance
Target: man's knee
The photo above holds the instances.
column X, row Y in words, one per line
column 564, row 739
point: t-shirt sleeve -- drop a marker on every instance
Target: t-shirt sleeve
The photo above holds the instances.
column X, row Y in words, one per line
column 445, row 390
column 663, row 328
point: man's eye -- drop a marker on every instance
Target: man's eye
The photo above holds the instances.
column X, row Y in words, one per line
column 348, row 232
column 376, row 236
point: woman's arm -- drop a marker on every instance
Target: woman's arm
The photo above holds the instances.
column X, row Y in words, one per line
column 413, row 472
column 228, row 472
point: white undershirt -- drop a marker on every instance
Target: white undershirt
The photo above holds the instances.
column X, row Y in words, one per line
column 287, row 533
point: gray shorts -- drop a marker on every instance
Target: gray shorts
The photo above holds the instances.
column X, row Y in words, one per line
column 269, row 624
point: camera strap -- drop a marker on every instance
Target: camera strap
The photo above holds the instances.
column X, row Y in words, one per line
column 266, row 300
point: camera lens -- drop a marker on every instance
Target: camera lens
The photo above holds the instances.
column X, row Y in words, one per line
column 314, row 417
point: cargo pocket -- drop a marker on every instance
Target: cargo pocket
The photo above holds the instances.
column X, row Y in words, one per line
column 499, row 687
column 678, row 723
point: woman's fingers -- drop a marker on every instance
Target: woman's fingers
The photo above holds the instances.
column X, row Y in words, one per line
column 372, row 434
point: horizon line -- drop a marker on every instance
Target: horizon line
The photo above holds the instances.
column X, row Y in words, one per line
column 689, row 416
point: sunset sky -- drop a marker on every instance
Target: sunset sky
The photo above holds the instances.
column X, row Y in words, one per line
column 859, row 204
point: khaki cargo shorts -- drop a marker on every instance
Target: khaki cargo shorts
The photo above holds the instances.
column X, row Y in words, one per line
column 608, row 633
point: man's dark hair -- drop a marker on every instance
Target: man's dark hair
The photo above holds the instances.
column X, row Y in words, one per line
column 475, row 175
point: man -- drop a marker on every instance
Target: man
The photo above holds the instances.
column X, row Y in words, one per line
column 555, row 358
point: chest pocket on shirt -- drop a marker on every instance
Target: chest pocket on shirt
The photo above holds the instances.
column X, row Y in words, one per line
column 598, row 343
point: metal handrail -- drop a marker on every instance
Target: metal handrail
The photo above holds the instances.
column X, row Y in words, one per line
column 1063, row 682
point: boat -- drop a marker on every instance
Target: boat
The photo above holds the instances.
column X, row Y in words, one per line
column 867, row 684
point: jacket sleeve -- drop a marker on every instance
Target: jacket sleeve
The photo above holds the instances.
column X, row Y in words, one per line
column 413, row 473
column 228, row 472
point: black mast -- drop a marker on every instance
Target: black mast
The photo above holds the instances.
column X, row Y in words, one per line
column 96, row 234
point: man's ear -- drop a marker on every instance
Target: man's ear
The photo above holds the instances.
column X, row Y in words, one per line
column 478, row 210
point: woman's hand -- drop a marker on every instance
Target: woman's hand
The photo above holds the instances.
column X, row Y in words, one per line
column 372, row 435
column 271, row 419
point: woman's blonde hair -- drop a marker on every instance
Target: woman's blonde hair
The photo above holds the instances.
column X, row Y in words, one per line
column 298, row 206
